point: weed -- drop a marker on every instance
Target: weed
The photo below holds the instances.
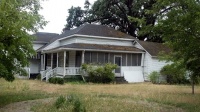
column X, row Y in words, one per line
column 60, row 101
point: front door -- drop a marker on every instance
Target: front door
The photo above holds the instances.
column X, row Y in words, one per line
column 118, row 62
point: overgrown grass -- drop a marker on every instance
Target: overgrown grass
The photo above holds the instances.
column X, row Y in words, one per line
column 19, row 90
column 104, row 97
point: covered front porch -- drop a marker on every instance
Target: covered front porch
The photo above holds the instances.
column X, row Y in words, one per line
column 67, row 60
column 61, row 63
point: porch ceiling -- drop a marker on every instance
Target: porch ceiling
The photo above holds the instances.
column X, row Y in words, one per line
column 96, row 47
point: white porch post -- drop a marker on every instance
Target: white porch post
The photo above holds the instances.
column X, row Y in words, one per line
column 41, row 63
column 44, row 61
column 57, row 60
column 83, row 57
column 51, row 60
column 64, row 63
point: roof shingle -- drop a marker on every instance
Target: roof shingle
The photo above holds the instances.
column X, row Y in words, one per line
column 154, row 48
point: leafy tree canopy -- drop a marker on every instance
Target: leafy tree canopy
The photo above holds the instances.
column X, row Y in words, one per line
column 128, row 16
column 180, row 29
column 18, row 17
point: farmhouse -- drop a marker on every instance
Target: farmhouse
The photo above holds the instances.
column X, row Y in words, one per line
column 64, row 54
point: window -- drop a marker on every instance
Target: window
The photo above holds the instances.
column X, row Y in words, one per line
column 101, row 57
column 134, row 59
column 48, row 58
column 87, row 57
column 129, row 60
column 94, row 57
column 123, row 59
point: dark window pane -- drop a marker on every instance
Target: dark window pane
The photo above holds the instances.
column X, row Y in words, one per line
column 67, row 59
column 111, row 58
column 106, row 57
column 101, row 57
column 129, row 60
column 139, row 59
column 94, row 57
column 87, row 57
column 134, row 59
column 48, row 59
column 123, row 59
column 78, row 58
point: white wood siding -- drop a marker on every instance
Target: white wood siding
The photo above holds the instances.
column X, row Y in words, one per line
column 37, row 46
column 72, row 57
column 90, row 40
column 147, row 65
column 52, row 45
column 68, row 41
column 34, row 66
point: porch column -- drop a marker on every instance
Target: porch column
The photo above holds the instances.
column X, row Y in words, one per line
column 83, row 57
column 51, row 60
column 64, row 63
column 44, row 65
column 41, row 63
column 57, row 60
column 142, row 61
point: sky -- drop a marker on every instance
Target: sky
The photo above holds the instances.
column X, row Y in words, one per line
column 56, row 12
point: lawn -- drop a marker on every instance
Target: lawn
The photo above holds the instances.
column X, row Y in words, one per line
column 103, row 97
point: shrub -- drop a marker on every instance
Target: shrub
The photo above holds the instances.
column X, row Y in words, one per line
column 78, row 106
column 38, row 76
column 100, row 73
column 175, row 74
column 60, row 101
column 154, row 77
column 56, row 80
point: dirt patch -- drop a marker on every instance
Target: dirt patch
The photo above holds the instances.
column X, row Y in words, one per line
column 24, row 106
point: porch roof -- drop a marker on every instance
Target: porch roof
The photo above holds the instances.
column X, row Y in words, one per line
column 96, row 47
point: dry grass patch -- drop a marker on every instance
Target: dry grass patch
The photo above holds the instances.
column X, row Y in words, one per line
column 107, row 97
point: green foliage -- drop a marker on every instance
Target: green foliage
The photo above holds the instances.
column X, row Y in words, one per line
column 70, row 101
column 18, row 17
column 100, row 73
column 78, row 106
column 154, row 77
column 127, row 16
column 38, row 77
column 179, row 27
column 60, row 101
column 56, row 80
column 175, row 74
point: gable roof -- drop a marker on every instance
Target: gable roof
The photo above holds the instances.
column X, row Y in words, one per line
column 97, row 47
column 97, row 30
column 92, row 30
column 154, row 48
column 44, row 37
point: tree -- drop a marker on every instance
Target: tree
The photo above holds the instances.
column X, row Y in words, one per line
column 127, row 16
column 180, row 29
column 18, row 17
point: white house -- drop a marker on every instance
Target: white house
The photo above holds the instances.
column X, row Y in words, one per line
column 63, row 54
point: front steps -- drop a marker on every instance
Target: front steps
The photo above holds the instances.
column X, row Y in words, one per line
column 120, row 80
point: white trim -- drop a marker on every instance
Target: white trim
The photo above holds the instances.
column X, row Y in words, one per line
column 100, row 37
column 83, row 57
column 57, row 60
column 64, row 63
column 60, row 49
column 126, row 59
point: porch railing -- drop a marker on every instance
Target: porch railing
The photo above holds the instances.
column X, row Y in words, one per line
column 59, row 72
column 73, row 71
